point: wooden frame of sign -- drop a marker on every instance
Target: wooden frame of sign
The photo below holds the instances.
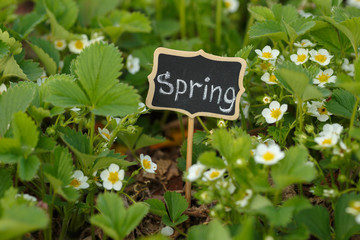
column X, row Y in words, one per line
column 196, row 84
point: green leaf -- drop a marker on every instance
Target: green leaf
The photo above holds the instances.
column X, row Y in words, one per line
column 98, row 68
column 146, row 140
column 65, row 11
column 176, row 205
column 288, row 13
column 157, row 207
column 268, row 28
column 75, row 140
column 210, row 159
column 31, row 69
column 15, row 46
column 184, row 44
column 278, row 217
column 341, row 103
column 17, row 98
column 21, row 219
column 230, row 147
column 349, row 28
column 166, row 220
column 124, row 21
column 6, row 181
column 49, row 63
column 215, row 230
column 59, row 173
column 244, row 52
column 58, row 31
column 28, row 167
column 26, row 24
column 38, row 113
column 293, row 168
column 25, row 131
column 355, row 133
column 4, row 49
column 114, row 219
column 346, row 82
column 261, row 13
column 166, row 27
column 12, row 69
column 324, row 6
column 317, row 220
column 92, row 8
column 330, row 39
column 10, row 150
column 345, row 224
column 63, row 91
column 120, row 100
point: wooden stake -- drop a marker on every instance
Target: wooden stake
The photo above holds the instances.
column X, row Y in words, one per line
column 189, row 157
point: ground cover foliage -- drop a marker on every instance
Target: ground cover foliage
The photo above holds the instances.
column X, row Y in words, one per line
column 82, row 157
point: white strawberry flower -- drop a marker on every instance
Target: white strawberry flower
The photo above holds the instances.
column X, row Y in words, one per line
column 348, row 68
column 268, row 155
column 305, row 14
column 60, row 44
column 335, row 129
column 195, row 172
column 105, row 133
column 79, row 181
column 269, row 79
column 142, row 107
column 300, row 57
column 322, row 56
column 304, row 43
column 26, row 197
column 245, row 200
column 267, row 53
column 77, row 46
column 147, row 164
column 342, row 150
column 112, row 177
column 167, row 231
column 231, row 6
column 327, row 140
column 266, row 99
column 213, row 174
column 324, row 77
column 318, row 110
column 133, row 64
column 275, row 112
column 354, row 209
column 3, row 88
column 41, row 79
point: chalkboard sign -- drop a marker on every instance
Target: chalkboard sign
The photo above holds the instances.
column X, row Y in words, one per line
column 196, row 83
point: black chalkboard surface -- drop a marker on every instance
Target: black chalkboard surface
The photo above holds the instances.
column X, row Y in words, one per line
column 196, row 83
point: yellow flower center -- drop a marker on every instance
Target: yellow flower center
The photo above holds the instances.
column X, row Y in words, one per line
column 323, row 78
column 113, row 177
column 272, row 78
column 322, row 110
column 96, row 179
column 106, row 135
column 146, row 164
column 320, row 58
column 265, row 65
column 303, row 43
column 75, row 183
column 268, row 156
column 227, row 4
column 79, row 44
column 214, row 174
column 327, row 141
column 266, row 55
column 301, row 57
column 59, row 44
column 275, row 113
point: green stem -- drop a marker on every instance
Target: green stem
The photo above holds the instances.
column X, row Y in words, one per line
column 219, row 4
column 352, row 120
column 300, row 117
column 248, row 25
column 92, row 129
column 92, row 211
column 181, row 123
column 130, row 198
column 181, row 232
column 64, row 225
column 51, row 209
column 183, row 19
column 203, row 125
column 158, row 7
